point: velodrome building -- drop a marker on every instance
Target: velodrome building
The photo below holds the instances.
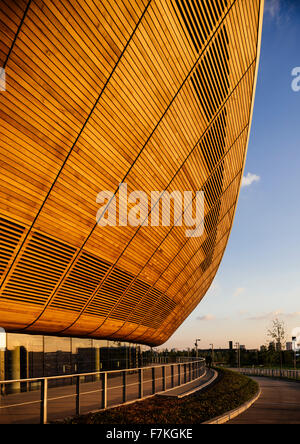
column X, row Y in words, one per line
column 157, row 94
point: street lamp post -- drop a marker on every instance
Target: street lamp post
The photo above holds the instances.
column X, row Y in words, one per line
column 212, row 353
column 196, row 345
column 238, row 350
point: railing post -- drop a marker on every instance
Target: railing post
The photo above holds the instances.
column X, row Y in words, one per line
column 77, row 395
column 141, row 391
column 164, row 378
column 44, row 401
column 124, row 385
column 190, row 371
column 153, row 380
column 104, row 390
column 184, row 370
column 172, row 375
column 179, row 374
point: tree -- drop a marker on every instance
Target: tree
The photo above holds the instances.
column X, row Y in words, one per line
column 278, row 333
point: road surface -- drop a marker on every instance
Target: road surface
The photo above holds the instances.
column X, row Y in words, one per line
column 278, row 404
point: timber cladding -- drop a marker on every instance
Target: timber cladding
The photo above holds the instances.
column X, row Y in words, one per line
column 157, row 94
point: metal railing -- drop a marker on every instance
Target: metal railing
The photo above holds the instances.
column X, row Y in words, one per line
column 272, row 373
column 93, row 391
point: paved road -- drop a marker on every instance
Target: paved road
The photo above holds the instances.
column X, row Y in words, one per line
column 278, row 404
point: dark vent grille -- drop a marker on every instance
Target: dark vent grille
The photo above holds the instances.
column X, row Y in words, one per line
column 130, row 300
column 212, row 218
column 210, row 79
column 213, row 149
column 213, row 188
column 199, row 17
column 10, row 235
column 212, row 192
column 208, row 248
column 81, row 283
column 160, row 307
column 39, row 270
column 109, row 294
column 209, row 242
column 128, row 308
column 213, row 143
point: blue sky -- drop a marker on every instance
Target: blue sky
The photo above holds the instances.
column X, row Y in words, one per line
column 259, row 278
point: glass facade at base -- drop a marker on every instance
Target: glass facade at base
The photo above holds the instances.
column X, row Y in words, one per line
column 33, row 356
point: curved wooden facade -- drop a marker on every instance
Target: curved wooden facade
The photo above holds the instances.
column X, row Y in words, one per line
column 157, row 94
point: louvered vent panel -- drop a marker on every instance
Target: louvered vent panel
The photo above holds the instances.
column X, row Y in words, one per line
column 212, row 145
column 109, row 294
column 212, row 191
column 161, row 311
column 210, row 79
column 209, row 247
column 137, row 291
column 39, row 270
column 213, row 149
column 199, row 17
column 139, row 314
column 159, row 307
column 128, row 309
column 81, row 283
column 213, row 188
column 209, row 242
column 212, row 218
column 10, row 235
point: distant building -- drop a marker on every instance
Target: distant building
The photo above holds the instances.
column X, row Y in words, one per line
column 295, row 344
column 230, row 345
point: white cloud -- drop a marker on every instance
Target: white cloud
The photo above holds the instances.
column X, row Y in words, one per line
column 207, row 317
column 239, row 291
column 272, row 8
column 265, row 316
column 273, row 315
column 243, row 312
column 250, row 179
column 296, row 314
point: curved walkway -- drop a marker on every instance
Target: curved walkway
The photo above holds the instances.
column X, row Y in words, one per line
column 188, row 389
column 279, row 404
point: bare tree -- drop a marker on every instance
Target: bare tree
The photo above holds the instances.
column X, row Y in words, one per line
column 278, row 333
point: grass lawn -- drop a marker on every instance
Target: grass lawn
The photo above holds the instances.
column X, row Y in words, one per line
column 228, row 392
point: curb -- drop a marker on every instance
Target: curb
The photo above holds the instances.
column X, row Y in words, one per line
column 201, row 386
column 190, row 392
column 223, row 419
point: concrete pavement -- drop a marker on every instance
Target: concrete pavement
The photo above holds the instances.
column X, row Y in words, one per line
column 187, row 389
column 279, row 404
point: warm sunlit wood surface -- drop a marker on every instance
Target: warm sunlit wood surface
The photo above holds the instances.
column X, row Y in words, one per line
column 157, row 94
